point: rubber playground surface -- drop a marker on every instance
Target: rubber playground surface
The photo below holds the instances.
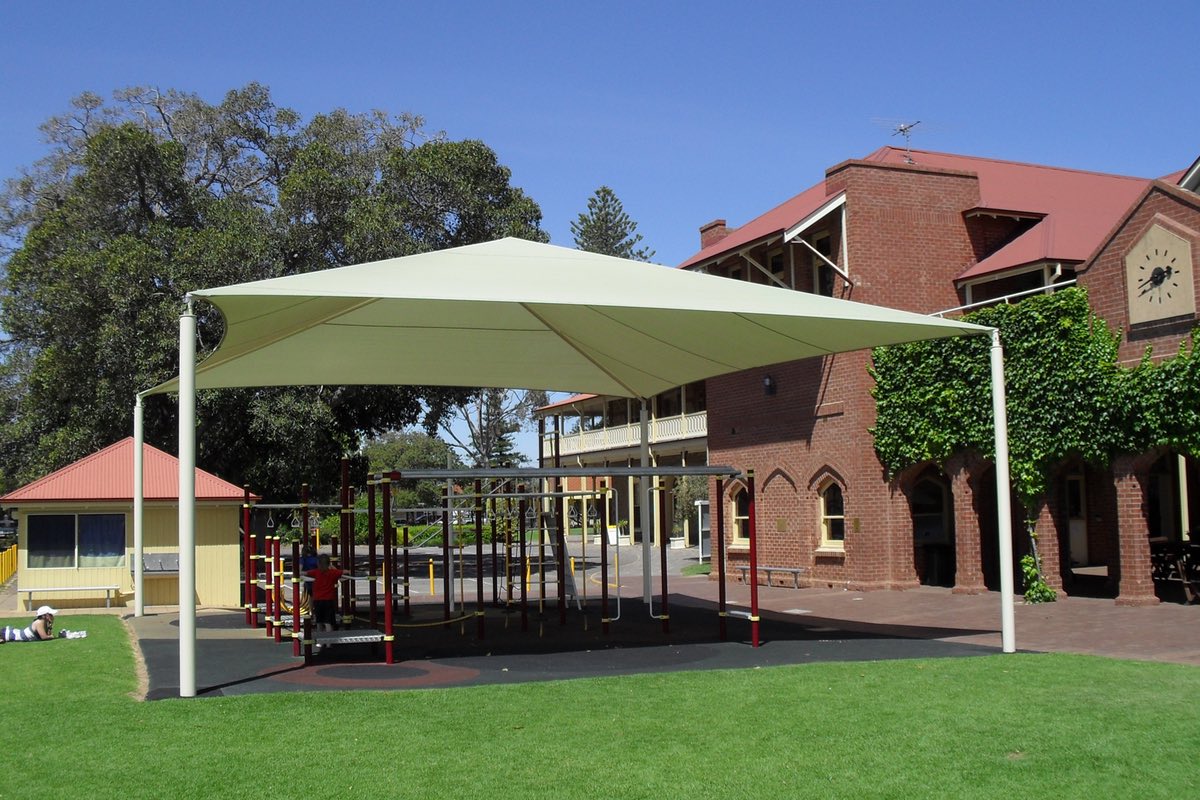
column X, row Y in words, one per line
column 233, row 659
column 798, row 626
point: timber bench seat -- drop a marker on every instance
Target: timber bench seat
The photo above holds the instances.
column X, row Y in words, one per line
column 109, row 591
column 795, row 572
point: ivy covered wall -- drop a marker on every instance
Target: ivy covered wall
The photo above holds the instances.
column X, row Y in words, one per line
column 1067, row 397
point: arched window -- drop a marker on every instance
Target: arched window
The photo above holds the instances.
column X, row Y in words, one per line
column 833, row 515
column 741, row 517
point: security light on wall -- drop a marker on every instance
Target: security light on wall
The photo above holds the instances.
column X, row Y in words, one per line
column 768, row 385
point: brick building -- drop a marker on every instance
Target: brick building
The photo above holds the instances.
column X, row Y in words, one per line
column 927, row 232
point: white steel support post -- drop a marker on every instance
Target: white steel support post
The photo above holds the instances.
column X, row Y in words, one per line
column 1185, row 522
column 187, row 501
column 647, row 526
column 139, row 504
column 1008, row 638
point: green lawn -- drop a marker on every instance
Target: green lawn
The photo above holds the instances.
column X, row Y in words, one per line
column 1043, row 726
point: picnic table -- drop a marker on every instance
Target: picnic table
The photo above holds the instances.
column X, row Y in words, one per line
column 1177, row 560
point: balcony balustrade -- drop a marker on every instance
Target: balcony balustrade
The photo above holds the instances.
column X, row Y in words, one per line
column 666, row 429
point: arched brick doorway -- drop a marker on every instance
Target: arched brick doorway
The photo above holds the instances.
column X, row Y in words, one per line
column 933, row 530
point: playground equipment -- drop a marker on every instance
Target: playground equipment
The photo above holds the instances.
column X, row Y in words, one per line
column 524, row 511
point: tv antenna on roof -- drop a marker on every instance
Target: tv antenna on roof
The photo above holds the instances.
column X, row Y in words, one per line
column 905, row 129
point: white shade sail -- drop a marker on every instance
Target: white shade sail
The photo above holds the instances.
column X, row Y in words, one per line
column 516, row 314
column 519, row 314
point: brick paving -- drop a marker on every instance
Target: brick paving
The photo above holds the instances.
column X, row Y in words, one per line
column 1163, row 632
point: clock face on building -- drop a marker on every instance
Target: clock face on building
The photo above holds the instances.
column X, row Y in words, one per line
column 1158, row 277
column 1162, row 275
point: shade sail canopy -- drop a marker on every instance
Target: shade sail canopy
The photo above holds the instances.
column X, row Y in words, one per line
column 518, row 314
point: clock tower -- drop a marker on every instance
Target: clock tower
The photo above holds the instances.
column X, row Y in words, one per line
column 1158, row 277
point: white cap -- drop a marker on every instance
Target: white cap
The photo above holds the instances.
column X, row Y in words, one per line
column 43, row 610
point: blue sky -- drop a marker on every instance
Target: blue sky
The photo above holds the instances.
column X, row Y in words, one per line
column 689, row 111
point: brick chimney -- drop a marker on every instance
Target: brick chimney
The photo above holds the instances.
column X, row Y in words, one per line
column 712, row 233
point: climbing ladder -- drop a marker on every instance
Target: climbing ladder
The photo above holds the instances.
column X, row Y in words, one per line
column 540, row 570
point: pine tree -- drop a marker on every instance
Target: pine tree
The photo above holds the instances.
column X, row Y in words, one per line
column 607, row 229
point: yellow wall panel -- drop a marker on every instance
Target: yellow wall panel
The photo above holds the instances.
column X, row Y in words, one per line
column 218, row 559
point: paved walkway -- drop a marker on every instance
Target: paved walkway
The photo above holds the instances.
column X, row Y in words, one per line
column 798, row 626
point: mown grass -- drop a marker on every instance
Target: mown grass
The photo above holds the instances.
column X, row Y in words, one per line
column 1002, row 726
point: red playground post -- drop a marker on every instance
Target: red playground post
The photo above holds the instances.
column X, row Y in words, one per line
column 388, row 633
column 372, row 553
column 407, row 608
column 524, row 563
column 447, row 586
column 604, row 558
column 479, row 555
column 277, row 554
column 297, row 579
column 269, row 585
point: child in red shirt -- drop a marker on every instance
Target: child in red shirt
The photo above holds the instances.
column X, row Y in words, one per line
column 324, row 592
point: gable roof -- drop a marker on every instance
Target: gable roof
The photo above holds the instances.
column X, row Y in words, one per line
column 774, row 222
column 108, row 475
column 1075, row 209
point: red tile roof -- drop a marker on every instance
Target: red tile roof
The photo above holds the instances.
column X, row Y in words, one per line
column 1078, row 208
column 108, row 475
column 566, row 401
column 774, row 222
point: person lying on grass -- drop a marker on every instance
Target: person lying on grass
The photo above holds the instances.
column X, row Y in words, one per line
column 41, row 629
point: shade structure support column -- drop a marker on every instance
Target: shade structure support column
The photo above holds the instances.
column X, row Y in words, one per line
column 752, row 529
column 139, row 507
column 720, row 517
column 647, row 517
column 187, row 500
column 1008, row 636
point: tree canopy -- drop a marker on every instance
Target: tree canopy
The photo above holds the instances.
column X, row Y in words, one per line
column 412, row 449
column 607, row 229
column 159, row 193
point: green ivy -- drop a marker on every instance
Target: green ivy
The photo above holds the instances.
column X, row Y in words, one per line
column 1161, row 403
column 1036, row 589
column 1066, row 395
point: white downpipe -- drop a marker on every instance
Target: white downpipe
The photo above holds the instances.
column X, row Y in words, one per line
column 1185, row 522
column 139, row 599
column 647, row 526
column 187, row 501
column 1008, row 637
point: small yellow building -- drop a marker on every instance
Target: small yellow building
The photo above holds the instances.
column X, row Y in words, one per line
column 75, row 533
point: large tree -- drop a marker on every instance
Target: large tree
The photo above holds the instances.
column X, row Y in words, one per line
column 160, row 193
column 481, row 427
column 607, row 229
column 412, row 449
